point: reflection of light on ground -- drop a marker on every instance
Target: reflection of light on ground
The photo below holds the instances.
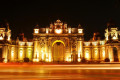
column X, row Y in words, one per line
column 45, row 72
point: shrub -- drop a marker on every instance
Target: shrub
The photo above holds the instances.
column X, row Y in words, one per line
column 26, row 59
column 83, row 60
column 116, row 60
column 107, row 60
column 1, row 59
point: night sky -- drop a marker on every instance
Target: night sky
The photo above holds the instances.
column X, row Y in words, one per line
column 93, row 15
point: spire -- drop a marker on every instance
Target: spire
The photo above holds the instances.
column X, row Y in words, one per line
column 79, row 26
column 37, row 26
column 7, row 25
column 111, row 23
column 58, row 21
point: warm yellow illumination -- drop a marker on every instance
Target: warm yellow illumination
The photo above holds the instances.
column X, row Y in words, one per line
column 50, row 59
column 87, row 56
column 79, row 59
column 35, row 60
column 21, row 43
column 1, row 38
column 12, row 55
column 37, row 55
column 58, row 41
column 95, row 43
column 5, row 60
column 87, row 43
column 68, row 59
column 42, row 55
column 80, row 31
column 29, row 43
column 21, row 53
column 36, row 31
column 96, row 53
column 8, row 38
column 102, row 42
column 114, row 38
column 103, row 52
column 58, row 31
column 47, row 30
column 69, row 30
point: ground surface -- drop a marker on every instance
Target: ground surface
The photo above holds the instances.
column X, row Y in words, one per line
column 13, row 71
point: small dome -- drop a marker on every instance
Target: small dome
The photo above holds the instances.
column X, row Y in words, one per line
column 111, row 23
column 37, row 26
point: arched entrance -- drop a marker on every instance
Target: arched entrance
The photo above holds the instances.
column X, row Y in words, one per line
column 58, row 49
column 115, row 54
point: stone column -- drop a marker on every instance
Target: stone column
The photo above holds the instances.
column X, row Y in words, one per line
column 5, row 53
column 74, row 51
column 36, row 52
column 50, row 51
column 80, row 49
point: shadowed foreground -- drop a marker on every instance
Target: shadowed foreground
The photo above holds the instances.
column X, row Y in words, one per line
column 45, row 72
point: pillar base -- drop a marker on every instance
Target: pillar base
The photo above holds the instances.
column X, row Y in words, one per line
column 5, row 60
column 35, row 60
column 79, row 60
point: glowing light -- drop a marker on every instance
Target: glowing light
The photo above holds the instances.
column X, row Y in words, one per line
column 47, row 30
column 87, row 54
column 21, row 43
column 68, row 59
column 69, row 30
column 102, row 42
column 87, row 43
column 21, row 53
column 47, row 60
column 79, row 59
column 29, row 53
column 50, row 59
column 114, row 37
column 5, row 60
column 36, row 31
column 29, row 43
column 12, row 55
column 103, row 54
column 1, row 38
column 58, row 31
column 58, row 41
column 95, row 43
column 80, row 31
column 37, row 55
column 35, row 60
column 42, row 55
column 8, row 38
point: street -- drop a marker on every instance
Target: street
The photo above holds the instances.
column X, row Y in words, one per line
column 57, row 71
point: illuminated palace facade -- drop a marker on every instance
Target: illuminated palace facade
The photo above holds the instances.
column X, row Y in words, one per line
column 59, row 42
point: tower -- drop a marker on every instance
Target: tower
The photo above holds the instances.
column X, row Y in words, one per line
column 111, row 33
column 5, row 39
column 80, row 42
column 35, row 42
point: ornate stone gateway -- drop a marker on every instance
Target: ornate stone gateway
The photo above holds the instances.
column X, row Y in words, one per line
column 58, row 52
column 58, row 43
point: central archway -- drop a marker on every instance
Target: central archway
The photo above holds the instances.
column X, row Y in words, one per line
column 58, row 50
column 115, row 54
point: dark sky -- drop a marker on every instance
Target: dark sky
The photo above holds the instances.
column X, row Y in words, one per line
column 93, row 15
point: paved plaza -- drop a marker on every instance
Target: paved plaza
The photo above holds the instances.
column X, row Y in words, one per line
column 25, row 71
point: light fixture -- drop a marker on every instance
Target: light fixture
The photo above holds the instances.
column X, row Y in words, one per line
column 58, row 31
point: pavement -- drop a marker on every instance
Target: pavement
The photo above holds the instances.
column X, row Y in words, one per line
column 54, row 71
